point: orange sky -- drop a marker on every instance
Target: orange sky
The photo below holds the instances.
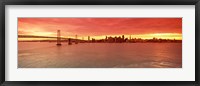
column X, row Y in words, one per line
column 168, row 28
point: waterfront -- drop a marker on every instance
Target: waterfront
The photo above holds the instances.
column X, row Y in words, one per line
column 99, row 55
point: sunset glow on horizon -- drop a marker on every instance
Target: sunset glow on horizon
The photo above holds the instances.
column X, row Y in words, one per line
column 99, row 28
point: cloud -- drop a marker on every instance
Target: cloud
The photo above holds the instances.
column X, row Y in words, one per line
column 99, row 26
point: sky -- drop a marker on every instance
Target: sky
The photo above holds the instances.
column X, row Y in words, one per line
column 98, row 28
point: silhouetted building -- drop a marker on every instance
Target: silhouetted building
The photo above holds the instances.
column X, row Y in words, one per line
column 93, row 40
column 123, row 37
column 106, row 39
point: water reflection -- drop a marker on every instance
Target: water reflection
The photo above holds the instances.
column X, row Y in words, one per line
column 99, row 55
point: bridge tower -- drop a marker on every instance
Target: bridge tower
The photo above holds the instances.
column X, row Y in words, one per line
column 58, row 38
column 88, row 38
column 69, row 41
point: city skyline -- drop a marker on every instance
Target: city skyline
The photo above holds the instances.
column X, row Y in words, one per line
column 99, row 28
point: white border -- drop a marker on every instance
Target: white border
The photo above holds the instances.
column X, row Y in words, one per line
column 186, row 73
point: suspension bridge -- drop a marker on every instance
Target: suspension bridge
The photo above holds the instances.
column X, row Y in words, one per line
column 58, row 38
